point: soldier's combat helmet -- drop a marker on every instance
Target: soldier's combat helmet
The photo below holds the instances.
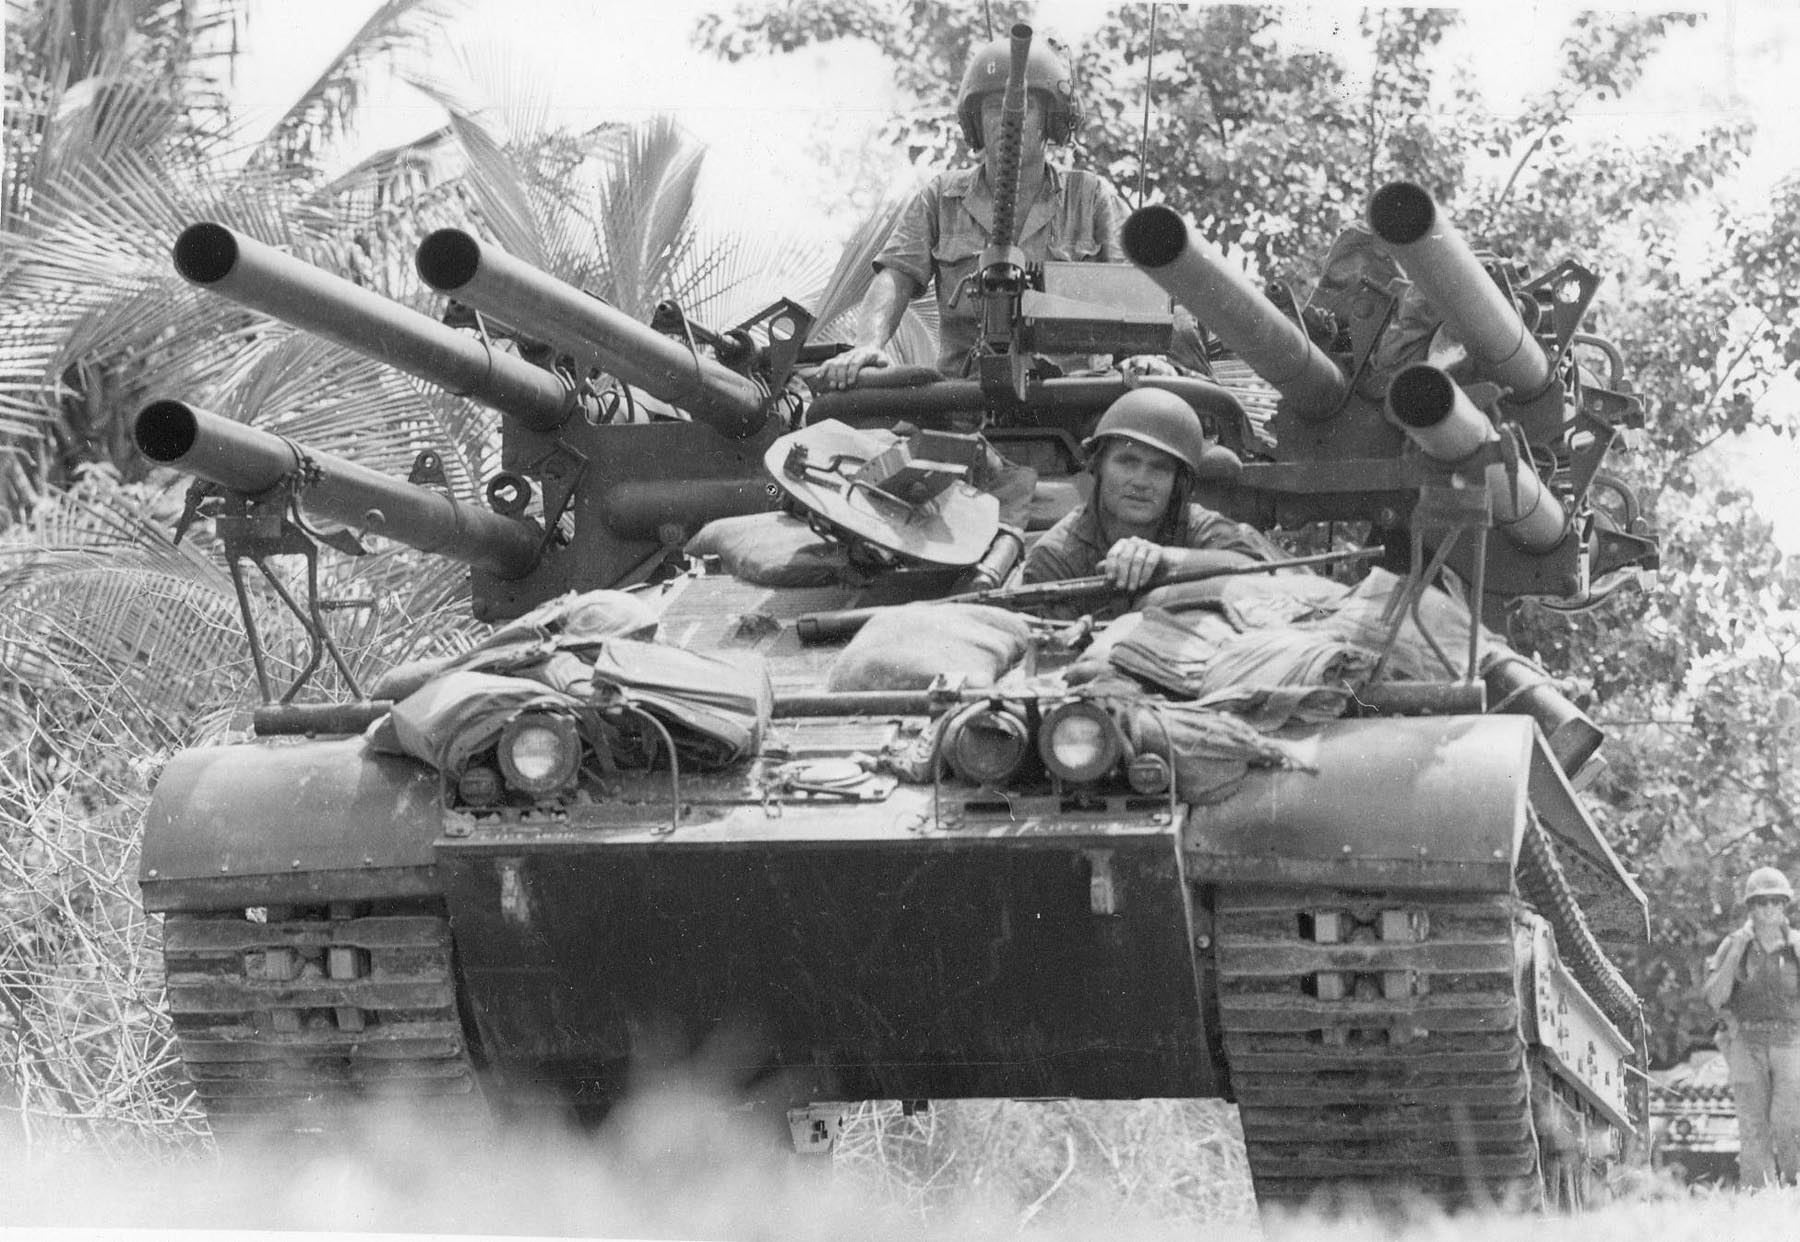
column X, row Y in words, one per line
column 1045, row 71
column 1768, row 882
column 1158, row 418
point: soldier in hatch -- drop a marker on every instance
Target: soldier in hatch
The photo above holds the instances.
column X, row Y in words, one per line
column 1063, row 214
column 1753, row 981
column 1145, row 454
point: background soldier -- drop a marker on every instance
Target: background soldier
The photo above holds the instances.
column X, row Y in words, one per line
column 1753, row 980
column 1063, row 214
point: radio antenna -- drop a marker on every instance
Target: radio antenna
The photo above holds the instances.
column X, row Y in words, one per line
column 1149, row 83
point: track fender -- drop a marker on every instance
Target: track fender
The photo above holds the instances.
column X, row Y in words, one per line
column 1425, row 803
column 286, row 822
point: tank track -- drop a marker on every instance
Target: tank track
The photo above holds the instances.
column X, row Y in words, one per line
column 1374, row 1046
column 287, row 1026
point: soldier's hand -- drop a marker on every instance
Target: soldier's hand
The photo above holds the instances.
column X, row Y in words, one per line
column 840, row 372
column 1131, row 563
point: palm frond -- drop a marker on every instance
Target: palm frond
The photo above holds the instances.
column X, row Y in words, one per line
column 915, row 340
column 724, row 279
column 850, row 278
column 645, row 215
column 322, row 112
column 499, row 190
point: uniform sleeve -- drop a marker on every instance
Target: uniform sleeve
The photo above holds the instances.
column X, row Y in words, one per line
column 1109, row 219
column 909, row 246
column 1046, row 562
column 1721, row 971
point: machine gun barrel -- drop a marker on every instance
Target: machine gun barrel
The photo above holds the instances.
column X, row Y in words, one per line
column 1219, row 294
column 264, row 279
column 534, row 302
column 252, row 461
column 1439, row 417
column 1011, row 139
column 1440, row 262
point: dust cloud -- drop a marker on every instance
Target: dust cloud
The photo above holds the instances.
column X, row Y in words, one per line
column 680, row 1163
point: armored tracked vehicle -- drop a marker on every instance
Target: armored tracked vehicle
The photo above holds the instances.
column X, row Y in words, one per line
column 1693, row 1119
column 652, row 814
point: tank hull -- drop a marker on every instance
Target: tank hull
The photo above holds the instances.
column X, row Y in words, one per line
column 1340, row 949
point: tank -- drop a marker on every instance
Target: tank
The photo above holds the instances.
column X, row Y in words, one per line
column 654, row 817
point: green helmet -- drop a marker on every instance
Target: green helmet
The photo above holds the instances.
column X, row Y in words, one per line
column 1044, row 71
column 1768, row 882
column 1158, row 418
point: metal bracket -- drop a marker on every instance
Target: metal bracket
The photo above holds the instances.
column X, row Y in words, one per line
column 789, row 325
column 251, row 529
column 1371, row 312
column 428, row 470
column 1571, row 288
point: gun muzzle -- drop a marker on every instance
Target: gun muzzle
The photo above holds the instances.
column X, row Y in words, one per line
column 1011, row 140
column 1219, row 294
column 249, row 460
column 534, row 302
column 266, row 280
column 1441, row 264
column 1439, row 417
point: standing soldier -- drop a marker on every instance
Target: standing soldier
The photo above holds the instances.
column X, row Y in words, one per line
column 1753, row 980
column 1063, row 214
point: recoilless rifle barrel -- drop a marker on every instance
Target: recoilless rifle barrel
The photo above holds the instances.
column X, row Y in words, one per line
column 1218, row 293
column 294, row 291
column 1438, row 260
column 538, row 304
column 829, row 627
column 252, row 461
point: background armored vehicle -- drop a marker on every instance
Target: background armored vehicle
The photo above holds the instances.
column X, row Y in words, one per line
column 1693, row 1119
column 635, row 824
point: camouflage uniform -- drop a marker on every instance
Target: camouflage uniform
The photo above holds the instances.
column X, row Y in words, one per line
column 941, row 233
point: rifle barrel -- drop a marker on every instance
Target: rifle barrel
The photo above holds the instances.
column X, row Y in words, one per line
column 816, row 628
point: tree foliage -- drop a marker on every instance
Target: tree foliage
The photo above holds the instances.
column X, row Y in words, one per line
column 1271, row 148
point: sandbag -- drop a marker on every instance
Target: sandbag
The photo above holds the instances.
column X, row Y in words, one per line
column 574, row 621
column 906, row 648
column 1360, row 619
column 717, row 711
column 771, row 549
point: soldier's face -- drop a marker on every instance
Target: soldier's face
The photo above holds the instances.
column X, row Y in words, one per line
column 1135, row 485
column 1032, row 134
column 1768, row 911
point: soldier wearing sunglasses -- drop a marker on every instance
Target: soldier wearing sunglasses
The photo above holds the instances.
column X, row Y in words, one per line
column 1753, row 981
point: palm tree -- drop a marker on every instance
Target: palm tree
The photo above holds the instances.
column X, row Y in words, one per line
column 108, row 627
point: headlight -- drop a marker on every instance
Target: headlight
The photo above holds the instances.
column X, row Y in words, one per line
column 986, row 746
column 539, row 752
column 1079, row 741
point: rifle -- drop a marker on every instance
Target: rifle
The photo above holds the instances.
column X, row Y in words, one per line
column 814, row 628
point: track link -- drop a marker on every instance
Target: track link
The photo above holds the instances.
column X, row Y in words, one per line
column 288, row 1026
column 1374, row 1046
